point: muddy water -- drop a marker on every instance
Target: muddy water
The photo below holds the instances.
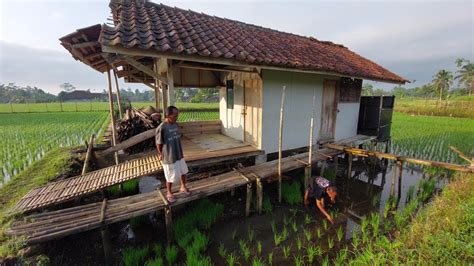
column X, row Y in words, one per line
column 359, row 196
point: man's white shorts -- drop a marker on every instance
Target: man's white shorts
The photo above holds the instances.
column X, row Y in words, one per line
column 173, row 172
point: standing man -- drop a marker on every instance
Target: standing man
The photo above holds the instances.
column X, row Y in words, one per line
column 324, row 192
column 168, row 143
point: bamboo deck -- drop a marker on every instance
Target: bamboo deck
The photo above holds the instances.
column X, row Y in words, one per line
column 194, row 153
column 50, row 225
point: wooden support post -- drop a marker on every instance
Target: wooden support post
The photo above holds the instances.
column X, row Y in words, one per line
column 392, row 185
column 168, row 218
column 171, row 91
column 161, row 66
column 112, row 118
column 119, row 101
column 259, row 195
column 400, row 173
column 280, row 141
column 157, row 99
column 307, row 173
column 104, row 232
column 90, row 147
column 349, row 165
column 248, row 201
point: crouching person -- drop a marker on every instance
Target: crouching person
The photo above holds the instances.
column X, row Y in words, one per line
column 324, row 193
column 168, row 143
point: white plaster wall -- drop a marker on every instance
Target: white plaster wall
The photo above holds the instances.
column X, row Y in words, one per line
column 346, row 121
column 298, row 106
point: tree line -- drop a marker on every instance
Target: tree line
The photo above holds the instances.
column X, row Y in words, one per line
column 440, row 87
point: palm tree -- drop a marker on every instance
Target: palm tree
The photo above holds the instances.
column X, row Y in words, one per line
column 442, row 81
column 465, row 74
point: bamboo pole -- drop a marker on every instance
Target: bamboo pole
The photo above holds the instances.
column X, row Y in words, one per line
column 392, row 185
column 311, row 133
column 119, row 101
column 349, row 166
column 259, row 195
column 400, row 173
column 366, row 153
column 248, row 200
column 112, row 118
column 85, row 167
column 280, row 141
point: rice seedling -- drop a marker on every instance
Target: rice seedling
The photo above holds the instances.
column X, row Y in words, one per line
column 375, row 223
column 294, row 226
column 284, row 233
column 135, row 256
column 330, row 242
column 245, row 249
column 171, row 254
column 257, row 262
column 312, row 251
column 363, row 224
column 355, row 239
column 231, row 259
column 387, row 226
column 251, row 234
column 299, row 244
column 386, row 210
column 298, row 260
column 341, row 257
column 277, row 238
column 339, row 234
column 157, row 249
column 308, row 234
column 325, row 224
column 234, row 233
column 200, row 241
column 267, row 205
column 259, row 247
column 286, row 251
column 325, row 261
column 222, row 251
column 318, row 232
column 307, row 219
column 193, row 258
column 286, row 221
column 291, row 192
column 273, row 225
column 375, row 200
column 157, row 261
column 270, row 258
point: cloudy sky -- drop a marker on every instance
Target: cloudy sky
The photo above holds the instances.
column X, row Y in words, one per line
column 414, row 39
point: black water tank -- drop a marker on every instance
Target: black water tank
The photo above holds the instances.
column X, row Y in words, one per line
column 375, row 116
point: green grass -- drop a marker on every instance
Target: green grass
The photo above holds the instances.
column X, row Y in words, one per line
column 53, row 164
column 440, row 235
column 428, row 137
column 456, row 107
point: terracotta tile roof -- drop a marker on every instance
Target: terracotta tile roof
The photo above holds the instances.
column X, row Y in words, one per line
column 145, row 25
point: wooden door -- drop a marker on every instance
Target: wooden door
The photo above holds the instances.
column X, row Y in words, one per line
column 329, row 111
column 251, row 111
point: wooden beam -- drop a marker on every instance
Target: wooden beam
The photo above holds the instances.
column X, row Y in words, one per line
column 112, row 118
column 119, row 101
column 131, row 141
column 144, row 69
column 366, row 153
column 222, row 61
column 216, row 69
column 84, row 45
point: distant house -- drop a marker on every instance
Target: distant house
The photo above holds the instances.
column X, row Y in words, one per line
column 164, row 47
column 81, row 95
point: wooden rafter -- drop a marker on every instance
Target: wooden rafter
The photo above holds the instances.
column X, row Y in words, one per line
column 144, row 69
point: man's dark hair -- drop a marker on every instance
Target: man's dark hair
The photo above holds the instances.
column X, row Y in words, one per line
column 332, row 188
column 170, row 109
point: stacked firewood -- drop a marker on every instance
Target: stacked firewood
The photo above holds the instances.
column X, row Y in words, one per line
column 134, row 122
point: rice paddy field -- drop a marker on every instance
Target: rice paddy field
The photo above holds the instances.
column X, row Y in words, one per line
column 27, row 137
column 91, row 106
column 428, row 137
